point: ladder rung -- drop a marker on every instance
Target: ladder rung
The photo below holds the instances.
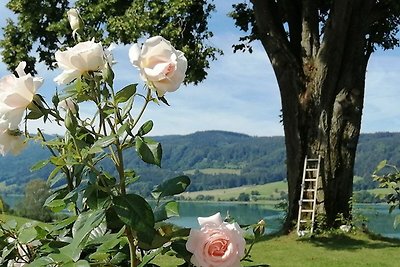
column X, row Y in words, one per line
column 311, row 169
column 307, row 210
column 310, row 190
column 312, row 159
column 310, row 180
column 307, row 200
column 304, row 221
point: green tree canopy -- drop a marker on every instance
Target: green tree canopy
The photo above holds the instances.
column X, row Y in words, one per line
column 36, row 193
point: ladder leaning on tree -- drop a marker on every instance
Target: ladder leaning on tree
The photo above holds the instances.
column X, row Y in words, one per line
column 308, row 196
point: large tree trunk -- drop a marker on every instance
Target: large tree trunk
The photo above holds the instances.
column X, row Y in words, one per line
column 321, row 81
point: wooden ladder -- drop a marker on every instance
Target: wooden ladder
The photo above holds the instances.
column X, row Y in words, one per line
column 308, row 196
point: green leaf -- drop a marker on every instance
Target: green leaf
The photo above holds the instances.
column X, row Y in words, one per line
column 135, row 212
column 180, row 247
column 82, row 263
column 380, row 166
column 125, row 93
column 127, row 107
column 95, row 198
column 396, row 221
column 34, row 115
column 95, row 149
column 171, row 187
column 56, row 205
column 99, row 256
column 145, row 128
column 27, row 235
column 10, row 224
column 43, row 261
column 108, row 75
column 40, row 165
column 166, row 210
column 81, row 229
column 149, row 257
column 105, row 141
column 64, row 223
column 149, row 151
column 118, row 258
column 122, row 129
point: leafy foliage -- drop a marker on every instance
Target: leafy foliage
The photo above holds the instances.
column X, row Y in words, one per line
column 42, row 25
column 382, row 32
column 389, row 177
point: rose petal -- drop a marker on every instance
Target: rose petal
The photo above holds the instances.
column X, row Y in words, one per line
column 134, row 55
column 215, row 219
column 195, row 237
column 67, row 76
column 21, row 69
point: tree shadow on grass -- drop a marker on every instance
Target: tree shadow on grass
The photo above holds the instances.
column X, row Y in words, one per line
column 342, row 241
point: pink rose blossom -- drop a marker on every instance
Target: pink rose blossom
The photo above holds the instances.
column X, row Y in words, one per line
column 217, row 243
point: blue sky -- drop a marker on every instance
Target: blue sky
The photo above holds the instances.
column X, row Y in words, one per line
column 240, row 93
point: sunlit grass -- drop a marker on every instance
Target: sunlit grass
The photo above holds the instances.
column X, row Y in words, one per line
column 214, row 171
column 270, row 190
column 342, row 250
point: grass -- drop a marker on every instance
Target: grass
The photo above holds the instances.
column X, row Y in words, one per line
column 340, row 250
column 381, row 192
column 214, row 171
column 270, row 190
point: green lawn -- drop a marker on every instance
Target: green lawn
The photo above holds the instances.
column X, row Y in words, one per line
column 380, row 191
column 214, row 171
column 337, row 251
column 266, row 190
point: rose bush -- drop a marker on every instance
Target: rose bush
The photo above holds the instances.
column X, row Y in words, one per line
column 103, row 220
column 78, row 60
column 217, row 243
column 160, row 64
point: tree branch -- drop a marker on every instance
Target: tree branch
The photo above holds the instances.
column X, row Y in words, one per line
column 310, row 29
column 273, row 37
column 293, row 8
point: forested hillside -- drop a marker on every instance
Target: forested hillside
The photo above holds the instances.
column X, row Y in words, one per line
column 213, row 159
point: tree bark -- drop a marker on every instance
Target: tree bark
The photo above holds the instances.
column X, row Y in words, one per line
column 322, row 91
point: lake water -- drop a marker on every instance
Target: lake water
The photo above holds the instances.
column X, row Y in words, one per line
column 379, row 219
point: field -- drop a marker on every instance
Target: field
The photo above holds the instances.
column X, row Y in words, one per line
column 213, row 171
column 270, row 190
column 341, row 250
column 381, row 192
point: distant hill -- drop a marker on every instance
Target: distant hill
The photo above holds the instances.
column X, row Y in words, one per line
column 213, row 159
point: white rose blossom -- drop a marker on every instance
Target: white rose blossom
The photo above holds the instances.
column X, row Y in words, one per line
column 217, row 243
column 77, row 60
column 9, row 141
column 16, row 93
column 160, row 64
column 74, row 19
